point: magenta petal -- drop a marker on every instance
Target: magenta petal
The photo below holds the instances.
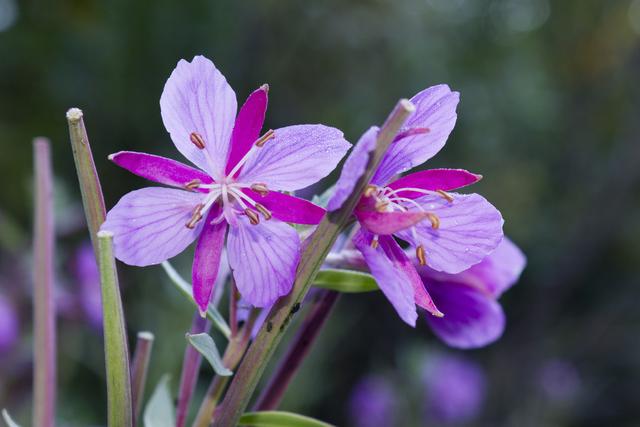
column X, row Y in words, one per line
column 206, row 260
column 353, row 168
column 435, row 111
column 158, row 169
column 148, row 225
column 470, row 229
column 434, row 179
column 388, row 222
column 296, row 157
column 248, row 125
column 197, row 98
column 472, row 319
column 289, row 208
column 263, row 259
column 391, row 274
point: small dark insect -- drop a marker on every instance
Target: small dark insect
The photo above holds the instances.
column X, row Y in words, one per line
column 269, row 326
column 295, row 308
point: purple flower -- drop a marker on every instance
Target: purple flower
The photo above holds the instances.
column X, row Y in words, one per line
column 237, row 187
column 373, row 403
column 455, row 389
column 9, row 325
column 89, row 292
column 474, row 316
column 450, row 232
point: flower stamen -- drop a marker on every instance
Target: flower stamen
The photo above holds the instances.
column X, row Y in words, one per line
column 435, row 221
column 197, row 216
column 370, row 190
column 260, row 188
column 421, row 255
column 270, row 134
column 448, row 197
column 374, row 242
column 254, row 219
column 197, row 140
column 266, row 213
column 193, row 184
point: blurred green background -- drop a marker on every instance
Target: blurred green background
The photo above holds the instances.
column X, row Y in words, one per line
column 549, row 114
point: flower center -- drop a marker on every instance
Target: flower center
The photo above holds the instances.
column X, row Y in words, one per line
column 228, row 192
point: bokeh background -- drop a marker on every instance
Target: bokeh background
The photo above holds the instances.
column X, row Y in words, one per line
column 549, row 114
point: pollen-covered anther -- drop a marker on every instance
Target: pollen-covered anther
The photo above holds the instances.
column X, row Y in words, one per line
column 374, row 242
column 266, row 213
column 370, row 190
column 445, row 195
column 260, row 189
column 270, row 134
column 197, row 140
column 193, row 184
column 381, row 205
column 254, row 219
column 421, row 255
column 435, row 221
column 197, row 216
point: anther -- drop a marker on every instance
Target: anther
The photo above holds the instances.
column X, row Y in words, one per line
column 420, row 254
column 370, row 190
column 435, row 221
column 193, row 184
column 254, row 219
column 266, row 213
column 260, row 189
column 270, row 134
column 374, row 242
column 445, row 195
column 197, row 140
column 197, row 216
column 381, row 206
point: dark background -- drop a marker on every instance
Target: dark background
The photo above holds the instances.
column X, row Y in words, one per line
column 549, row 114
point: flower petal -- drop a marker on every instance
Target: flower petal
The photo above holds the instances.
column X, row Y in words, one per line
column 197, row 98
column 393, row 272
column 148, row 225
column 248, row 125
column 435, row 111
column 296, row 157
column 388, row 222
column 434, row 179
column 353, row 168
column 158, row 169
column 470, row 229
column 472, row 319
column 289, row 208
column 263, row 258
column 206, row 260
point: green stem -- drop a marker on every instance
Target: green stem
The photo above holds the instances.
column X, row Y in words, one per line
column 120, row 413
column 319, row 245
column 139, row 368
column 44, row 379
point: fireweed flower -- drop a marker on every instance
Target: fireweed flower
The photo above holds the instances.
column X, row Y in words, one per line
column 89, row 294
column 237, row 187
column 9, row 325
column 449, row 232
column 373, row 403
column 474, row 317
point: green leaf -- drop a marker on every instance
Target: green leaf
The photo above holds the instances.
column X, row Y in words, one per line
column 207, row 347
column 159, row 411
column 7, row 419
column 279, row 419
column 345, row 281
column 185, row 288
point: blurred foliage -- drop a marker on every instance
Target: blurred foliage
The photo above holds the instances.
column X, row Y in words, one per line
column 549, row 115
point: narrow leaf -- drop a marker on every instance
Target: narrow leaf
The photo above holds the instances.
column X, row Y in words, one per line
column 185, row 288
column 207, row 347
column 279, row 419
column 345, row 281
column 7, row 419
column 159, row 411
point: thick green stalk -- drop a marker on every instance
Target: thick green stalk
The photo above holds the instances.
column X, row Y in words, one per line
column 139, row 368
column 44, row 378
column 120, row 413
column 317, row 248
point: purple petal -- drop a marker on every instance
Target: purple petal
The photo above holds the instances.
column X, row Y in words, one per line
column 197, row 98
column 434, row 179
column 353, row 168
column 263, row 259
column 148, row 225
column 296, row 157
column 248, row 125
column 289, row 208
column 88, row 277
column 206, row 260
column 159, row 169
column 388, row 222
column 470, row 229
column 435, row 111
column 391, row 275
column 472, row 319
column 9, row 325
